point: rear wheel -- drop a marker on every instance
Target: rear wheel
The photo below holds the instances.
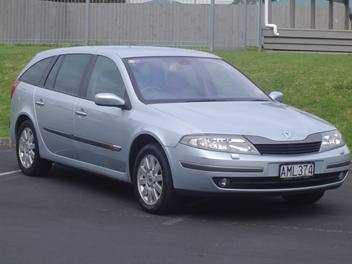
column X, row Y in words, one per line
column 304, row 198
column 152, row 180
column 27, row 151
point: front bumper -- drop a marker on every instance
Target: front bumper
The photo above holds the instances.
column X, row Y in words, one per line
column 199, row 170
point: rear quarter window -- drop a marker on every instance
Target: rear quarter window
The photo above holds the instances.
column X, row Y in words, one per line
column 34, row 74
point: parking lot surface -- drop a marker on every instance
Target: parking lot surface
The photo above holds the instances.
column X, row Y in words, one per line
column 76, row 217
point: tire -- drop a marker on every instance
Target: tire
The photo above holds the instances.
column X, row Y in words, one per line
column 27, row 152
column 304, row 198
column 149, row 182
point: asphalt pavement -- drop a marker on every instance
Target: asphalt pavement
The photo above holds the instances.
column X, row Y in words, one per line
column 73, row 216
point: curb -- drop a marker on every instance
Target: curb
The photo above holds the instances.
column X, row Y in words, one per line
column 6, row 142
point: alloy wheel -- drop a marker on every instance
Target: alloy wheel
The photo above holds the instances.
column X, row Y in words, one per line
column 150, row 179
column 26, row 149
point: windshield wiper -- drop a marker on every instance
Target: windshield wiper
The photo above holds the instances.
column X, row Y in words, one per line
column 225, row 100
column 260, row 100
column 202, row 100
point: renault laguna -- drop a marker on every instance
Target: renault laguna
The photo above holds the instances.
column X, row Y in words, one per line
column 170, row 121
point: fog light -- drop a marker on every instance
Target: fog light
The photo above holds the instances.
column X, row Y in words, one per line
column 223, row 182
column 342, row 175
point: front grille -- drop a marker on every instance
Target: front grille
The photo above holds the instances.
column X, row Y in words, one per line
column 288, row 148
column 278, row 183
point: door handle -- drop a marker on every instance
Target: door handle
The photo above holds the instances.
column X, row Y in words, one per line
column 40, row 102
column 81, row 113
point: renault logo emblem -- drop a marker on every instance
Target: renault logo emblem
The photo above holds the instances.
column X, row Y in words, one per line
column 287, row 134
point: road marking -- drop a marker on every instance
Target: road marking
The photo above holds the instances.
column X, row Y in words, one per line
column 295, row 228
column 9, row 172
column 173, row 221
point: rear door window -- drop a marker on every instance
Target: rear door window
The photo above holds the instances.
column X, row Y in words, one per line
column 71, row 73
column 36, row 72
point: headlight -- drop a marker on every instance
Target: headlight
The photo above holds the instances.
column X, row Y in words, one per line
column 223, row 143
column 330, row 140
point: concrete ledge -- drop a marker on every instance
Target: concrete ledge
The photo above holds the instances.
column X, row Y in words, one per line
column 310, row 33
column 309, row 40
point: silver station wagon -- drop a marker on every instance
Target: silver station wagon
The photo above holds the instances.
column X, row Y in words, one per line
column 169, row 121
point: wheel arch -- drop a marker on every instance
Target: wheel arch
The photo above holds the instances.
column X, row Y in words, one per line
column 20, row 119
column 141, row 140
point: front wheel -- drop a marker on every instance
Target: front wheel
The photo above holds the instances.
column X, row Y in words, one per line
column 27, row 151
column 152, row 180
column 304, row 198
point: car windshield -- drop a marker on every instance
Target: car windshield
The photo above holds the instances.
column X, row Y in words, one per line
column 190, row 79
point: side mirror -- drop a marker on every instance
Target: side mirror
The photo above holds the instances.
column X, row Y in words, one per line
column 277, row 96
column 109, row 99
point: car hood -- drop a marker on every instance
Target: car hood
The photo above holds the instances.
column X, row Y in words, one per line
column 271, row 120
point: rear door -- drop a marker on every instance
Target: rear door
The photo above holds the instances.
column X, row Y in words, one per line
column 102, row 131
column 55, row 103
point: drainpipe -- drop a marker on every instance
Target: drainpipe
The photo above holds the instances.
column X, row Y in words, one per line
column 266, row 19
column 87, row 22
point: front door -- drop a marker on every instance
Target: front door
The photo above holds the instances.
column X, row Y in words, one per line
column 101, row 130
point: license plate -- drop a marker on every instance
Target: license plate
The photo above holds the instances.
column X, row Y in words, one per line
column 293, row 171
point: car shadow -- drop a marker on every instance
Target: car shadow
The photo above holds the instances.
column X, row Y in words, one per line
column 91, row 182
column 256, row 207
column 233, row 208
